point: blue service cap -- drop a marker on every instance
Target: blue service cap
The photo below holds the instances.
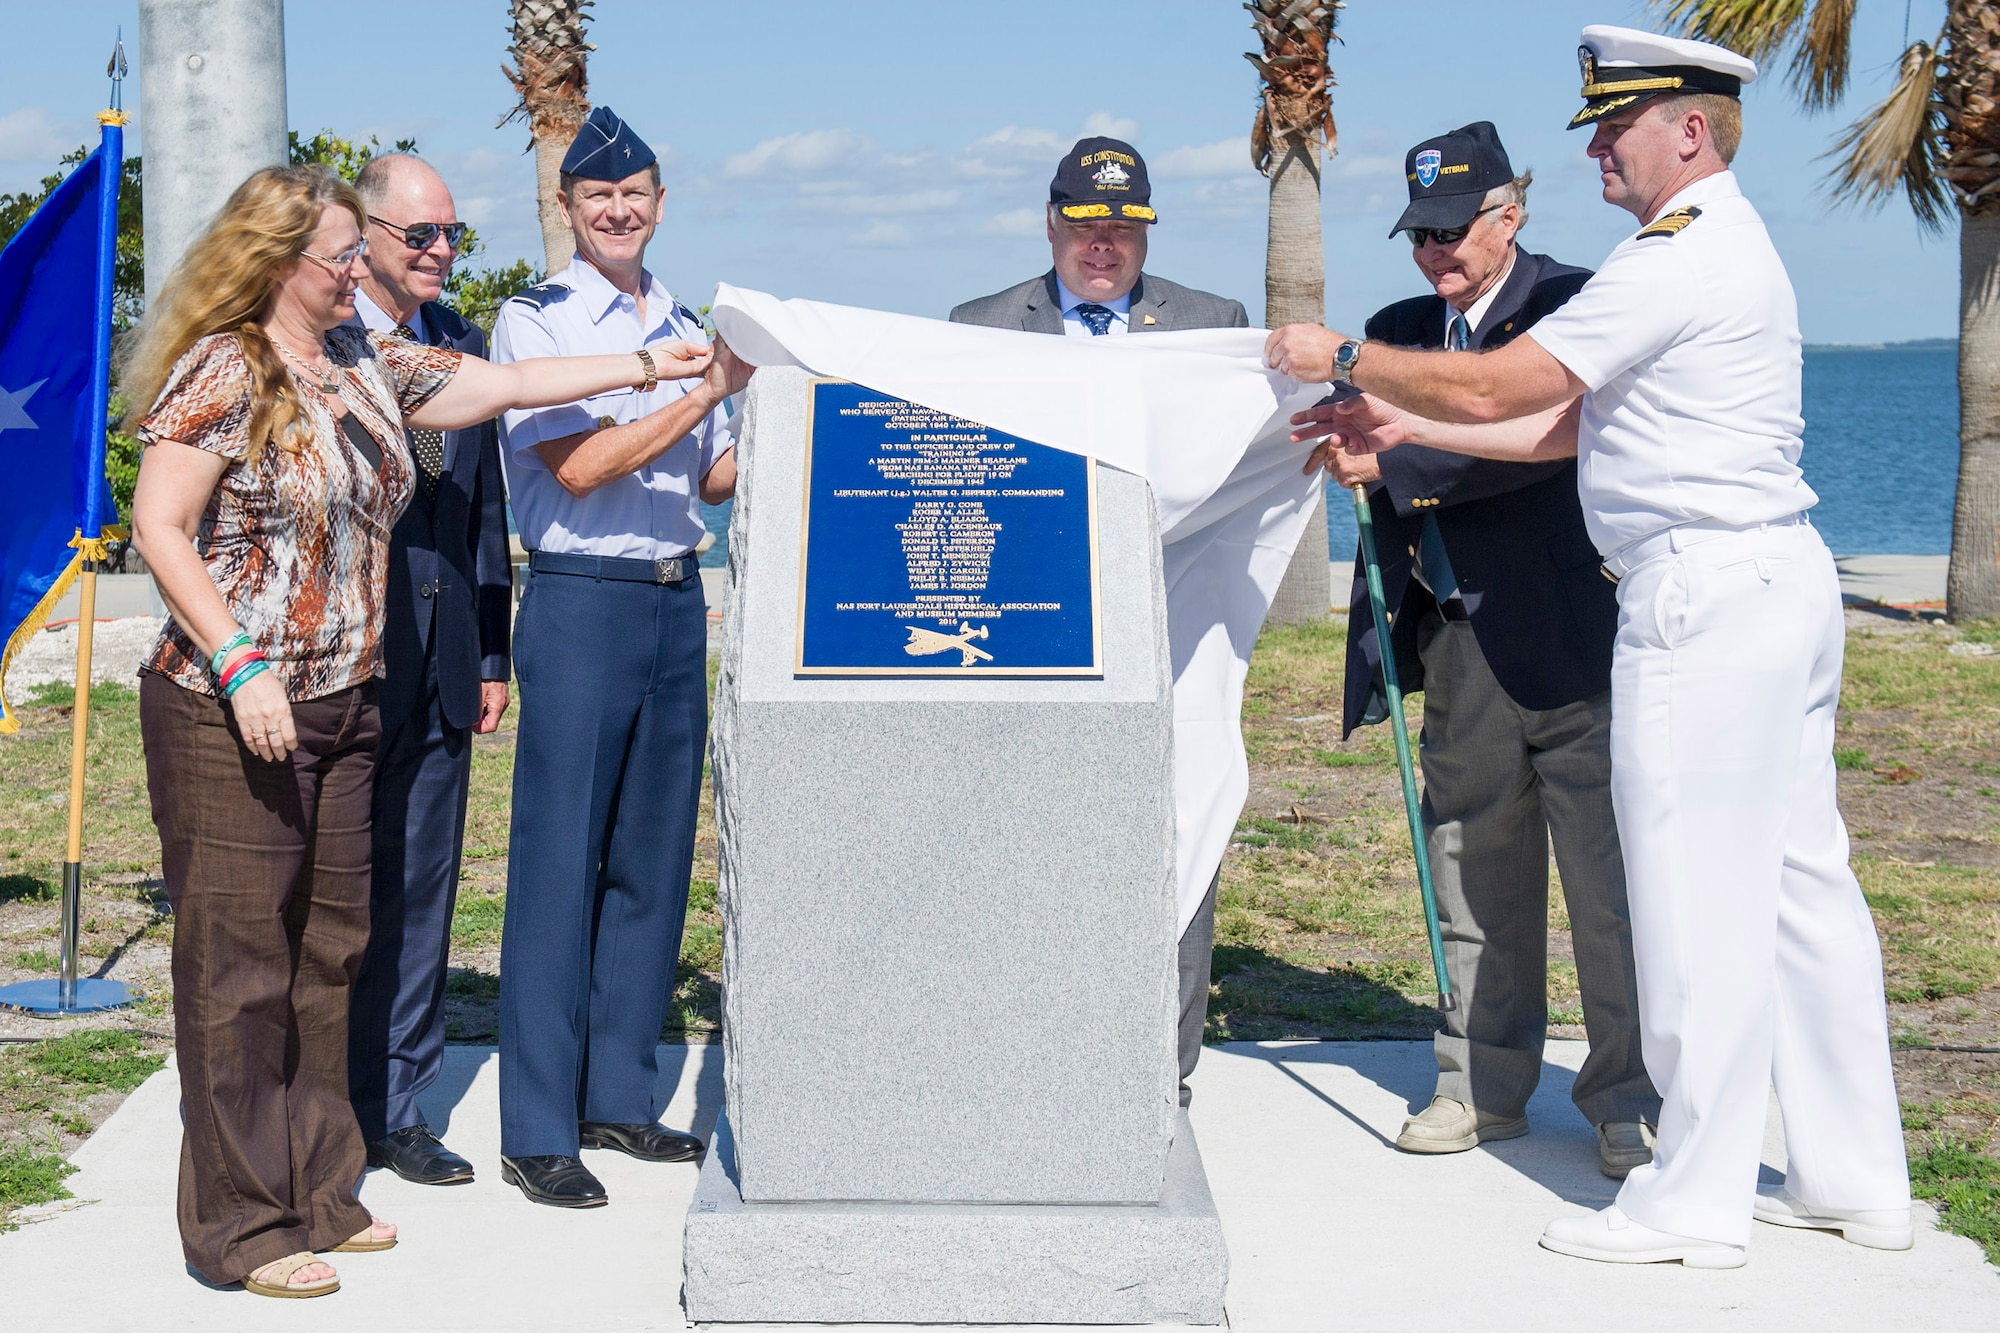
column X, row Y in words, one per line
column 606, row 149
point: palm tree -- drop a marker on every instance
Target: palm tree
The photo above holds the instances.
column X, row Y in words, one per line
column 548, row 77
column 1294, row 127
column 1935, row 139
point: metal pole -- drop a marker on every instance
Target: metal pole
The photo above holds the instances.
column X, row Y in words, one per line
column 79, row 736
column 1378, row 601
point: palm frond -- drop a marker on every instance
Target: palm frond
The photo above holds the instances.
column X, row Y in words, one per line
column 1819, row 66
column 1756, row 28
column 1296, row 99
column 1898, row 146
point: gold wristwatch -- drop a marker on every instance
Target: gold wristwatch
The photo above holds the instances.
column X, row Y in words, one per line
column 652, row 371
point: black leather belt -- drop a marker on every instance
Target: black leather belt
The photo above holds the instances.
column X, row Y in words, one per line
column 675, row 569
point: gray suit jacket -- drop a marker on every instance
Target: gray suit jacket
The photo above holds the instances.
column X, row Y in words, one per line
column 1157, row 305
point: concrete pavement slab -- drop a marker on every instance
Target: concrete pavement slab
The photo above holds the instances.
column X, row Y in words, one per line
column 1329, row 1228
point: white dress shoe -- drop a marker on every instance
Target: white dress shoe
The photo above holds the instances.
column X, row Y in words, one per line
column 1622, row 1145
column 1878, row 1228
column 1613, row 1238
column 1452, row 1126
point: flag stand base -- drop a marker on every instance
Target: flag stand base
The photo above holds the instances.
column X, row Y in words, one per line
column 44, row 999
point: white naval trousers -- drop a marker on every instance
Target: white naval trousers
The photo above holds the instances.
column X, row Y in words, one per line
column 1757, row 959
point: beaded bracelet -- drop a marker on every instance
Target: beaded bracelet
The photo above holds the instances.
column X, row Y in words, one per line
column 235, row 676
column 243, row 674
column 239, row 640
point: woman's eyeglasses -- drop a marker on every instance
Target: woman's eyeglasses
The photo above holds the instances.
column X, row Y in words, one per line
column 1448, row 235
column 342, row 261
column 423, row 235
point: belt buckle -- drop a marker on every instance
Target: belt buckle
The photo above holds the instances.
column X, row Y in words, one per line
column 1606, row 571
column 667, row 570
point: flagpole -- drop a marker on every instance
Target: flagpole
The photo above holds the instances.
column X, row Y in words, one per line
column 70, row 994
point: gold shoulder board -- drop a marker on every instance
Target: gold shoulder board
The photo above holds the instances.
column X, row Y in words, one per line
column 1673, row 223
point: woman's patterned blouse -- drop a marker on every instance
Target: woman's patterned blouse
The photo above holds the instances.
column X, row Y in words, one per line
column 298, row 545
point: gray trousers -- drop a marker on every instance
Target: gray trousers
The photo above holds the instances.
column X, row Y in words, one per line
column 1197, row 954
column 1501, row 782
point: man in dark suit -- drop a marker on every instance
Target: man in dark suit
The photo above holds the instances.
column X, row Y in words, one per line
column 449, row 606
column 1500, row 616
column 1099, row 210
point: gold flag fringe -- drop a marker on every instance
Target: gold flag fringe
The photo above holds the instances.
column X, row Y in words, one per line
column 86, row 548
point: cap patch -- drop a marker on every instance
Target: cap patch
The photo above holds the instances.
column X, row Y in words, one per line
column 1428, row 163
column 1111, row 176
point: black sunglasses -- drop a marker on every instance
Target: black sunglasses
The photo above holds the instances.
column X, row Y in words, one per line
column 423, row 235
column 1448, row 235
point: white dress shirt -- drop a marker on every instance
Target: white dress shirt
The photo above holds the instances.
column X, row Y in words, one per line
column 1690, row 347
column 377, row 320
column 1476, row 316
column 651, row 514
column 1073, row 325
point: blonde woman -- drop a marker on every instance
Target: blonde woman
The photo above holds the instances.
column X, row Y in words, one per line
column 275, row 467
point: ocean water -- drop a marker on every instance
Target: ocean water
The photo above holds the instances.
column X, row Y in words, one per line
column 1881, row 449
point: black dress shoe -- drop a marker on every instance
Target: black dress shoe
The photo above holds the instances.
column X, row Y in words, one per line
column 648, row 1143
column 560, row 1182
column 417, row 1156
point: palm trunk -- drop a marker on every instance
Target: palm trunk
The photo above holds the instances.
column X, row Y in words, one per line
column 1972, row 590
column 1295, row 293
column 558, row 245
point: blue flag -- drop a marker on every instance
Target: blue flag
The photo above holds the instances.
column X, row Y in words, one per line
column 55, row 356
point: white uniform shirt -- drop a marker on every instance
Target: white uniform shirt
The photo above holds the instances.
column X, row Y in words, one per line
column 651, row 514
column 1690, row 347
column 1073, row 325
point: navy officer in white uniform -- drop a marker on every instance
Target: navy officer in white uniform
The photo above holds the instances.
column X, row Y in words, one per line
column 610, row 647
column 1674, row 376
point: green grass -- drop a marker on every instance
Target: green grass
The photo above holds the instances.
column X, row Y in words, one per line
column 28, row 1177
column 1965, row 1185
column 1850, row 759
column 1938, row 926
column 37, row 960
column 103, row 1061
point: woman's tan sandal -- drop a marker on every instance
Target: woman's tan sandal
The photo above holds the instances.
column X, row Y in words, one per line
column 275, row 1279
column 365, row 1242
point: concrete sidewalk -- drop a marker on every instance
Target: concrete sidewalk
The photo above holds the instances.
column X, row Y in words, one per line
column 1328, row 1226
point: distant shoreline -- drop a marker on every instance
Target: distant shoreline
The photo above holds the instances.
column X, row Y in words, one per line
column 1913, row 345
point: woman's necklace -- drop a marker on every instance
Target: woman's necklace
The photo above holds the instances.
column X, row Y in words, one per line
column 329, row 380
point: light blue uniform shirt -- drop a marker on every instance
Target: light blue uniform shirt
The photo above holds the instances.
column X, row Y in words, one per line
column 651, row 514
column 1073, row 325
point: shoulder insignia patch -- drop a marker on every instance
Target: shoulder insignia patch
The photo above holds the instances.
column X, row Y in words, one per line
column 546, row 294
column 681, row 308
column 1674, row 223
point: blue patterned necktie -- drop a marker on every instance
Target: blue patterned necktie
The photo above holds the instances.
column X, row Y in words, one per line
column 426, row 446
column 1096, row 316
column 1459, row 336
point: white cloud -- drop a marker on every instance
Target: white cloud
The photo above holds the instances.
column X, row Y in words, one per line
column 1224, row 158
column 1011, row 152
column 31, row 134
column 885, row 234
column 1109, row 126
column 1018, row 222
column 806, row 152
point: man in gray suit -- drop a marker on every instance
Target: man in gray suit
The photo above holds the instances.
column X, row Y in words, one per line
column 1100, row 205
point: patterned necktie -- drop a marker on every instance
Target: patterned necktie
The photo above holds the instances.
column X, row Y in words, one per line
column 1459, row 336
column 1096, row 316
column 426, row 446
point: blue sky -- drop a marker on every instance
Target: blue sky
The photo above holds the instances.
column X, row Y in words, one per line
column 896, row 153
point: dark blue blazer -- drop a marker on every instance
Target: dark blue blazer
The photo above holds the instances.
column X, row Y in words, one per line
column 1543, row 613
column 451, row 586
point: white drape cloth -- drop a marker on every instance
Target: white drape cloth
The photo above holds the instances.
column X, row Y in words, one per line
column 1197, row 414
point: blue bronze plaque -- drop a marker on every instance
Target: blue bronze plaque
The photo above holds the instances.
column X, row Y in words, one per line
column 934, row 546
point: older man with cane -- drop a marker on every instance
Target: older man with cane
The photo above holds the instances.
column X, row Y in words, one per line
column 1499, row 616
column 1674, row 376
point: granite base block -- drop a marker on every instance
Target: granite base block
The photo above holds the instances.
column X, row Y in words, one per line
column 1163, row 1263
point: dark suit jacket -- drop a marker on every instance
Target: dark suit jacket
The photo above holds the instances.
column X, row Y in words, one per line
column 1157, row 304
column 451, row 586
column 1527, row 571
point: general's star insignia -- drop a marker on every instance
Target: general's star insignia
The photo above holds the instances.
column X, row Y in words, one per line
column 12, row 415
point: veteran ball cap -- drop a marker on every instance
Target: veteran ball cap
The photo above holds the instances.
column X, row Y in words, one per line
column 1102, row 179
column 1450, row 175
column 1626, row 65
column 606, row 149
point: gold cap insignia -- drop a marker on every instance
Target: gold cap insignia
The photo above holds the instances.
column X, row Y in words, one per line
column 606, row 422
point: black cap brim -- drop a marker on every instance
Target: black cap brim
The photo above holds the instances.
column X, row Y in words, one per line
column 1440, row 210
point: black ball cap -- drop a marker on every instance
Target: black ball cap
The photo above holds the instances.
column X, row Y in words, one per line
column 1102, row 179
column 1450, row 175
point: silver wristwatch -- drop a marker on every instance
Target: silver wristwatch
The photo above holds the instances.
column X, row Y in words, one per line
column 1344, row 358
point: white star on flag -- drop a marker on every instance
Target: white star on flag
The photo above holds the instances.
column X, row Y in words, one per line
column 12, row 415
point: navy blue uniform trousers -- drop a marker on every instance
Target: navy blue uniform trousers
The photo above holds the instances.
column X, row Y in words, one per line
column 395, row 1043
column 607, row 779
